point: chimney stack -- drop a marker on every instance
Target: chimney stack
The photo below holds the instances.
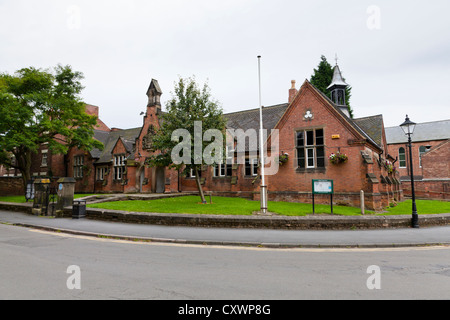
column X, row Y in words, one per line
column 292, row 92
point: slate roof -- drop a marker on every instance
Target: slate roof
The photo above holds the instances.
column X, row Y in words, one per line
column 369, row 127
column 373, row 127
column 427, row 131
column 250, row 119
column 110, row 139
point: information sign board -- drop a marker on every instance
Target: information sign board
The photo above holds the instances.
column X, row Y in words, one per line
column 323, row 186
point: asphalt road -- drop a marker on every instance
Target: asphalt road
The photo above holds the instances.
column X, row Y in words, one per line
column 34, row 265
column 305, row 238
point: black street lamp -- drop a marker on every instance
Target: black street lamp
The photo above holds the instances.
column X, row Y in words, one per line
column 408, row 128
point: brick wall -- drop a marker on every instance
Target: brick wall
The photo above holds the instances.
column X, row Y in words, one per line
column 11, row 186
column 432, row 178
column 292, row 184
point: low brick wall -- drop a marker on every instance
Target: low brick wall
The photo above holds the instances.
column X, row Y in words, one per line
column 429, row 189
column 312, row 222
column 11, row 186
column 17, row 207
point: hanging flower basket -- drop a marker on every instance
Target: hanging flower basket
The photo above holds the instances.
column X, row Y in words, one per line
column 283, row 158
column 337, row 158
column 390, row 168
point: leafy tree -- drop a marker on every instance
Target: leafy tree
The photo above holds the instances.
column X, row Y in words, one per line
column 322, row 78
column 188, row 107
column 39, row 106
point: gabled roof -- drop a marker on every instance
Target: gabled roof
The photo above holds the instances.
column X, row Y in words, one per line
column 110, row 139
column 154, row 84
column 427, row 131
column 370, row 129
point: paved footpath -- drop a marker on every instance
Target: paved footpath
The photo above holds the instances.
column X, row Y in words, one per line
column 223, row 236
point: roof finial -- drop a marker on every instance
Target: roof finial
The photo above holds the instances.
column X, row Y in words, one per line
column 336, row 57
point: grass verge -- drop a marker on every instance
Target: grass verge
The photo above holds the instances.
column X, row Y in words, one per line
column 221, row 205
column 21, row 199
column 239, row 206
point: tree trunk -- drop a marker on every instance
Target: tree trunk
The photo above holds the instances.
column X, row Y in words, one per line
column 23, row 163
column 199, row 186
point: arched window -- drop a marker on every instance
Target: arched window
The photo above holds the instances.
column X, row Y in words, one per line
column 422, row 150
column 402, row 157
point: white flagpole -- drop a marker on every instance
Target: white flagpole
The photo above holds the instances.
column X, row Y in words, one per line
column 261, row 147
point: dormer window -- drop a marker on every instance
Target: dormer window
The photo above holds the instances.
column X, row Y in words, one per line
column 119, row 166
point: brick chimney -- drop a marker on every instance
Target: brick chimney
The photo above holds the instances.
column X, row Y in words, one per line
column 292, row 91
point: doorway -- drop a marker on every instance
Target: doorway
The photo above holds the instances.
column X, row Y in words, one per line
column 160, row 180
column 141, row 179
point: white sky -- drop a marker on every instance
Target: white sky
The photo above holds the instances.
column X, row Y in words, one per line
column 397, row 61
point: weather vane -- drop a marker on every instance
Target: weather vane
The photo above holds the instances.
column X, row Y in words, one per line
column 336, row 57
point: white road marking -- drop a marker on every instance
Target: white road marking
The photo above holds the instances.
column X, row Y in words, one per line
column 236, row 247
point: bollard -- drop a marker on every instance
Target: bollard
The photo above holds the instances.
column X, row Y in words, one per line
column 362, row 203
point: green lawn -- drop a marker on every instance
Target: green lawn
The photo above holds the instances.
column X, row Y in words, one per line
column 423, row 207
column 239, row 206
column 21, row 199
column 15, row 199
column 220, row 205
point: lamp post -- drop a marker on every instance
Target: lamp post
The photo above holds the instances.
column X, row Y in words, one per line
column 261, row 147
column 408, row 128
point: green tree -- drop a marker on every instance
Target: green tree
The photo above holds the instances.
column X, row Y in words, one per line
column 322, row 78
column 188, row 107
column 40, row 106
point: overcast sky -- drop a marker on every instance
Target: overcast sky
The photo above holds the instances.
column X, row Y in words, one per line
column 394, row 54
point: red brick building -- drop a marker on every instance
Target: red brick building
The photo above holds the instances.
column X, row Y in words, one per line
column 311, row 128
column 430, row 154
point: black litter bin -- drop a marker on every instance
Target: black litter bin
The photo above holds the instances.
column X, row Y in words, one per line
column 79, row 209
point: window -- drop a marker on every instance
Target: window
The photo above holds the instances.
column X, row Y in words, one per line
column 310, row 149
column 223, row 170
column 44, row 162
column 119, row 166
column 422, row 150
column 191, row 173
column 78, row 162
column 402, row 157
column 251, row 167
column 100, row 173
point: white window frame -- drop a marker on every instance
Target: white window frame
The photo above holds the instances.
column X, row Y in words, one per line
column 44, row 159
column 400, row 160
column 101, row 172
column 254, row 164
column 308, row 157
column 421, row 154
column 119, row 166
column 78, row 162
